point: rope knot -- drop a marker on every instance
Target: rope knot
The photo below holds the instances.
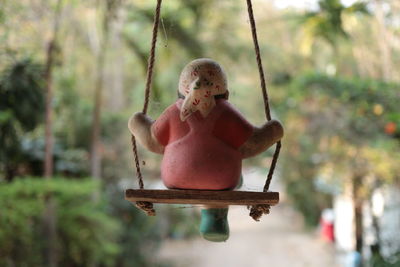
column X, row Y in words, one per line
column 257, row 211
column 146, row 207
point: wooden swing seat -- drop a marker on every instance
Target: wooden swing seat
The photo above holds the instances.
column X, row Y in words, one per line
column 203, row 197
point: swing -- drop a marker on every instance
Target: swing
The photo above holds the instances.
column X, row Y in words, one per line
column 259, row 203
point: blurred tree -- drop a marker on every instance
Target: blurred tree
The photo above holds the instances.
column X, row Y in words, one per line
column 52, row 47
column 327, row 23
column 342, row 122
column 21, row 110
column 49, row 220
column 173, row 28
column 109, row 13
column 86, row 233
column 384, row 44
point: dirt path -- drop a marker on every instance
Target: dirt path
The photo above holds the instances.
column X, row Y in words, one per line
column 278, row 240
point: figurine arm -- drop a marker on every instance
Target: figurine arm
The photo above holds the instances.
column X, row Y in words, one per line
column 140, row 126
column 262, row 138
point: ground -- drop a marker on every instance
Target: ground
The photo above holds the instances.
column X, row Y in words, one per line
column 279, row 239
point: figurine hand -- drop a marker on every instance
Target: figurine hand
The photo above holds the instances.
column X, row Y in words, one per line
column 262, row 138
column 140, row 126
column 139, row 119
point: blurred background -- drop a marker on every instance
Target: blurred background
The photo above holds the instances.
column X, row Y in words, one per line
column 73, row 72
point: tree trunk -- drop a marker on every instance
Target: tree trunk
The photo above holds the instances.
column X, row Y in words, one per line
column 358, row 213
column 95, row 164
column 48, row 160
column 115, row 95
column 384, row 43
column 49, row 220
column 95, row 157
column 358, row 216
column 375, row 224
column 50, row 233
column 9, row 172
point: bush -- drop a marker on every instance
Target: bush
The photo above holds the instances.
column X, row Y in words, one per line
column 85, row 232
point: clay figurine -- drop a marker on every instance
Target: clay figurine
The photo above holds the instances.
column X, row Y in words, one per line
column 204, row 139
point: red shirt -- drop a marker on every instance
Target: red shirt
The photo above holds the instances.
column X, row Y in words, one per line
column 202, row 153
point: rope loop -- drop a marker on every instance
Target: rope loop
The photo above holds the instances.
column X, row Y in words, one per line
column 147, row 207
column 257, row 211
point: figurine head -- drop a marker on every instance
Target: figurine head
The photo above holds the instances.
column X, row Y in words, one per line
column 201, row 82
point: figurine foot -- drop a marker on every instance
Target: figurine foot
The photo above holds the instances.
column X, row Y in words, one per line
column 214, row 224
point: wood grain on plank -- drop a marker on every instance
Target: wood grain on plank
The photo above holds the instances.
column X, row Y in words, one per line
column 202, row 197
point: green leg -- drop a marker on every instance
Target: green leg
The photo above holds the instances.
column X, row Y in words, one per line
column 214, row 224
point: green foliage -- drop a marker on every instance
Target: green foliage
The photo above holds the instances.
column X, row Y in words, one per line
column 110, row 232
column 142, row 234
column 22, row 111
column 68, row 161
column 2, row 16
column 378, row 261
column 21, row 108
column 85, row 232
column 327, row 22
column 73, row 115
column 335, row 129
column 21, row 92
column 299, row 170
column 366, row 106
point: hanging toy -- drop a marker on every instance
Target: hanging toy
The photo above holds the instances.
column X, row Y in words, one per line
column 203, row 139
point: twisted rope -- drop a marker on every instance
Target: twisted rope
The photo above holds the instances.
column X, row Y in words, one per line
column 144, row 205
column 257, row 211
column 150, row 63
